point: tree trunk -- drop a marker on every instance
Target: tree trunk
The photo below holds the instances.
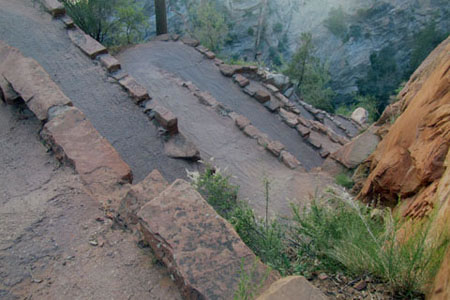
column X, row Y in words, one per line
column 261, row 21
column 161, row 17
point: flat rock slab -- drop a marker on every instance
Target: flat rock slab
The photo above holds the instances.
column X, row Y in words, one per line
column 86, row 43
column 273, row 105
column 241, row 121
column 275, row 147
column 210, row 55
column 289, row 160
column 201, row 250
column 292, row 288
column 33, row 84
column 289, row 118
column 134, row 89
column 75, row 140
column 68, row 22
column 229, row 70
column 206, row 98
column 54, row 7
column 110, row 63
column 138, row 195
column 179, row 146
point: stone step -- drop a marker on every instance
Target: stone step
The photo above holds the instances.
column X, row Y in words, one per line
column 201, row 250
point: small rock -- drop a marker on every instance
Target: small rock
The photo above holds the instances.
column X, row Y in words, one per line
column 289, row 160
column 190, row 42
column 273, row 105
column 361, row 116
column 262, row 96
column 289, row 118
column 93, row 243
column 242, row 122
column 323, row 276
column 241, row 80
column 210, row 55
column 166, row 119
column 252, row 131
column 361, row 285
column 304, row 132
column 275, row 147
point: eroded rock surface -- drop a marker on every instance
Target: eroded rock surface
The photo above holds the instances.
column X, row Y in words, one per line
column 200, row 249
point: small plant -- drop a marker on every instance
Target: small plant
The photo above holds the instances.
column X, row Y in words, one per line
column 249, row 284
column 344, row 180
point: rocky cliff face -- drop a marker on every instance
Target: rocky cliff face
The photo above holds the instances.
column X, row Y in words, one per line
column 412, row 161
column 362, row 27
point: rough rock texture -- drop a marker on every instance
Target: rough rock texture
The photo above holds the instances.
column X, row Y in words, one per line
column 289, row 118
column 190, row 42
column 292, row 287
column 138, row 195
column 7, row 93
column 86, row 43
column 360, row 115
column 178, row 146
column 411, row 155
column 241, row 121
column 275, row 147
column 134, row 89
column 75, row 140
column 54, row 7
column 201, row 250
column 228, row 70
column 29, row 80
column 359, row 149
column 207, row 99
column 289, row 160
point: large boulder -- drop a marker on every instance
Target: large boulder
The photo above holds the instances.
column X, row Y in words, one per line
column 201, row 250
column 358, row 150
column 279, row 80
column 361, row 116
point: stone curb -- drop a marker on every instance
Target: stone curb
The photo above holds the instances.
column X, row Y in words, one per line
column 243, row 124
column 66, row 130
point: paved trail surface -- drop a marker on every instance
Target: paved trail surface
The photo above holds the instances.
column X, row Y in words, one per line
column 107, row 106
column 47, row 222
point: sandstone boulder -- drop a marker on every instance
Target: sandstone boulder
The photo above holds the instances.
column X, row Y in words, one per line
column 361, row 116
column 241, row 121
column 200, row 249
column 358, row 150
column 304, row 131
column 228, row 70
column 190, row 41
column 179, row 146
column 252, row 131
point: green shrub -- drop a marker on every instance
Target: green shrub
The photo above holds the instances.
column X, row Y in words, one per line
column 336, row 22
column 347, row 236
column 344, row 180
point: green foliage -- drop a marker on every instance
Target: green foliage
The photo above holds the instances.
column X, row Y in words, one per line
column 344, row 180
column 424, row 42
column 312, row 76
column 336, row 22
column 209, row 25
column 350, row 237
column 382, row 78
column 277, row 27
column 332, row 234
column 249, row 283
column 112, row 22
column 251, row 31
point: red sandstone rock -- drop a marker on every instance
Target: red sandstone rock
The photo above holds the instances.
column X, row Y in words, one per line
column 200, row 249
column 228, row 70
column 241, row 80
column 262, row 96
column 75, row 140
column 304, row 132
column 210, row 55
column 275, row 147
column 138, row 195
column 166, row 119
column 134, row 89
column 33, row 84
column 206, row 98
column 241, row 121
column 289, row 118
column 289, row 160
column 252, row 131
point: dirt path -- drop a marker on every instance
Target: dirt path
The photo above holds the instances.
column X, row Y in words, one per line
column 107, row 106
column 190, row 65
column 217, row 137
column 47, row 222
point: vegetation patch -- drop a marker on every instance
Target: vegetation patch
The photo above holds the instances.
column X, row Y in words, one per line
column 334, row 234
